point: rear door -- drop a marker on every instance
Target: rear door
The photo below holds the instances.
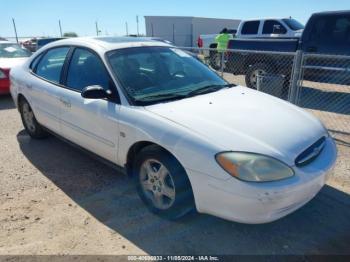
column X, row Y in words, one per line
column 250, row 29
column 44, row 89
column 90, row 123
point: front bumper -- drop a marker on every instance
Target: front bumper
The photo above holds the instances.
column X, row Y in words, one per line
column 256, row 203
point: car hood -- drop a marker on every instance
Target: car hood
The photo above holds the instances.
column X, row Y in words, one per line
column 241, row 119
column 12, row 62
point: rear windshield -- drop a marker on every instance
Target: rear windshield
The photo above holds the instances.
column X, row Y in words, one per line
column 13, row 51
column 294, row 24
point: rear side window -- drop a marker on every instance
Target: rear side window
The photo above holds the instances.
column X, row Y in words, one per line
column 250, row 28
column 331, row 31
column 86, row 69
column 35, row 62
column 270, row 25
column 50, row 66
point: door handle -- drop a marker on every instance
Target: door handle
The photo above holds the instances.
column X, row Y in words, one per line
column 65, row 102
column 311, row 49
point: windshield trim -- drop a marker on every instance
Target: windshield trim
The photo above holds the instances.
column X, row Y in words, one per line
column 131, row 100
column 288, row 22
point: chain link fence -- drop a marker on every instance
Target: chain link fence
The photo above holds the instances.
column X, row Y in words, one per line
column 317, row 83
column 325, row 91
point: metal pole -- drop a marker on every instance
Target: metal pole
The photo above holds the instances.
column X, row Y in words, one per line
column 152, row 29
column 222, row 64
column 59, row 23
column 191, row 35
column 174, row 34
column 96, row 28
column 137, row 22
column 296, row 75
column 127, row 28
column 14, row 27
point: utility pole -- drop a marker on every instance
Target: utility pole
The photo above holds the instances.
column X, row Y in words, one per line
column 97, row 30
column 14, row 27
column 59, row 24
column 127, row 28
column 137, row 22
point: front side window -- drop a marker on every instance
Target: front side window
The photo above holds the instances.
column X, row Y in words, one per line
column 271, row 25
column 10, row 50
column 50, row 66
column 250, row 28
column 153, row 74
column 86, row 69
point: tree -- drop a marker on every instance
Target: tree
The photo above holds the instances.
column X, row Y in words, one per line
column 70, row 34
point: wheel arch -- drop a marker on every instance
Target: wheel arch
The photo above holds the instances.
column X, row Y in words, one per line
column 252, row 61
column 20, row 98
column 214, row 45
column 136, row 148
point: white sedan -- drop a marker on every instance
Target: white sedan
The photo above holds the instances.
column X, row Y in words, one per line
column 187, row 137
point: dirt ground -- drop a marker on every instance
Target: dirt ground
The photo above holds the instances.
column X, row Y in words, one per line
column 55, row 199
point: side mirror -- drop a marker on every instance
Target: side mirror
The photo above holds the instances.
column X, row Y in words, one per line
column 95, row 92
column 278, row 30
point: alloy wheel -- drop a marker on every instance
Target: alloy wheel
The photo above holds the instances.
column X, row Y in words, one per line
column 157, row 184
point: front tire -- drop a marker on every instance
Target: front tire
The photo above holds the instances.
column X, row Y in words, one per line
column 251, row 77
column 31, row 125
column 162, row 183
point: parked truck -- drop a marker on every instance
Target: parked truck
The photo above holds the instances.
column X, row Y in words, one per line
column 266, row 28
column 326, row 33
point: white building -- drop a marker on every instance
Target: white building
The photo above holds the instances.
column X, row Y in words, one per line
column 184, row 30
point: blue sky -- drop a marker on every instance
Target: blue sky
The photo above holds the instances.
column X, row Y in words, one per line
column 40, row 17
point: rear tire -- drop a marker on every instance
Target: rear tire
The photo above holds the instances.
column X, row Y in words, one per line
column 31, row 125
column 162, row 183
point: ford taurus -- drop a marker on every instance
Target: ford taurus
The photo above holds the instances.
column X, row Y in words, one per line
column 189, row 139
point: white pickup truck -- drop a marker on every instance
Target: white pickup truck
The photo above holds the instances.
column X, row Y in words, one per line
column 257, row 28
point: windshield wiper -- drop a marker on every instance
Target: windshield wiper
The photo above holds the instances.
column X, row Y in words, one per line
column 161, row 97
column 208, row 89
column 175, row 96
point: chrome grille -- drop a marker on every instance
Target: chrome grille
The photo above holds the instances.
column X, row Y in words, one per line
column 311, row 153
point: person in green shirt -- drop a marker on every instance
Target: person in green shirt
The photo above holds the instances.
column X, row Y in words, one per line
column 222, row 40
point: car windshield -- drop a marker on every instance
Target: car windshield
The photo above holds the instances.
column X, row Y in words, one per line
column 294, row 24
column 9, row 50
column 154, row 74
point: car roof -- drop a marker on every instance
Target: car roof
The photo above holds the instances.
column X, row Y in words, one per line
column 340, row 12
column 266, row 18
column 109, row 43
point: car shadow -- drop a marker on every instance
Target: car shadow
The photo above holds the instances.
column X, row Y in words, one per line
column 321, row 227
column 6, row 102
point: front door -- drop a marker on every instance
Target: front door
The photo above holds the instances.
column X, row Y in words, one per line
column 90, row 123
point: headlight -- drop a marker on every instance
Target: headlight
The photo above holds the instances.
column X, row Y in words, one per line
column 253, row 167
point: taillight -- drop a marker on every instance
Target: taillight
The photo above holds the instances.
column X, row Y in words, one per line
column 4, row 73
column 200, row 42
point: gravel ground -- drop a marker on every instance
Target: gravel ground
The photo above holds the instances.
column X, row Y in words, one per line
column 55, row 199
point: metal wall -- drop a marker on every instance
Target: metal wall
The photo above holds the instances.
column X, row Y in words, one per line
column 184, row 31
